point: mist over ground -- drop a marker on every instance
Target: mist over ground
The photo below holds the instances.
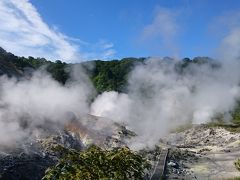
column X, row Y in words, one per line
column 161, row 95
column 29, row 103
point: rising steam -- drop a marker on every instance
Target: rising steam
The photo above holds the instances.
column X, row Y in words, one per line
column 162, row 96
column 28, row 103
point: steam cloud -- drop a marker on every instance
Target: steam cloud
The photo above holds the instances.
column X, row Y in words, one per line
column 160, row 97
column 29, row 103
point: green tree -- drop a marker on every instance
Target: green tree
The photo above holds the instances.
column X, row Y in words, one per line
column 96, row 163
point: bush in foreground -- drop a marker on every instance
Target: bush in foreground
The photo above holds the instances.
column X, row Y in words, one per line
column 95, row 163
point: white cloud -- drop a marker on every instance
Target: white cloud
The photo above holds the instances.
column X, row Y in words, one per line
column 230, row 46
column 163, row 24
column 100, row 50
column 229, row 25
column 24, row 33
column 163, row 29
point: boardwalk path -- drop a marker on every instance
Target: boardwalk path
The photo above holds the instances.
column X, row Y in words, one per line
column 159, row 169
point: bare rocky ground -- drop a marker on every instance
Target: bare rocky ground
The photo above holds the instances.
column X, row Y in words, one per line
column 29, row 159
column 196, row 153
column 203, row 153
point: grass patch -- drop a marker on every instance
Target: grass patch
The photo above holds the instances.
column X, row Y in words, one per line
column 229, row 127
column 237, row 164
column 182, row 128
column 235, row 178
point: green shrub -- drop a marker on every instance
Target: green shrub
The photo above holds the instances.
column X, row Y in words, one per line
column 95, row 163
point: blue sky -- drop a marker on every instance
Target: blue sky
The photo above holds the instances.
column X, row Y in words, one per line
column 77, row 30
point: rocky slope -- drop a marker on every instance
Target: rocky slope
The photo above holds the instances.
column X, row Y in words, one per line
column 203, row 153
column 30, row 158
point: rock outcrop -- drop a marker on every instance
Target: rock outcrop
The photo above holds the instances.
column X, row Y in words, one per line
column 29, row 159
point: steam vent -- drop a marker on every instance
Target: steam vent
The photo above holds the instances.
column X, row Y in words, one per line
column 119, row 90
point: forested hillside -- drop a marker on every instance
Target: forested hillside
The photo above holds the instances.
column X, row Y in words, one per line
column 105, row 75
column 119, row 163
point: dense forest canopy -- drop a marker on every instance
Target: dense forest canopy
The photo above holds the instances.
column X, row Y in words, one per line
column 105, row 75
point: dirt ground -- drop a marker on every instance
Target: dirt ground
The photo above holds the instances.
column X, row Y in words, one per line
column 203, row 153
